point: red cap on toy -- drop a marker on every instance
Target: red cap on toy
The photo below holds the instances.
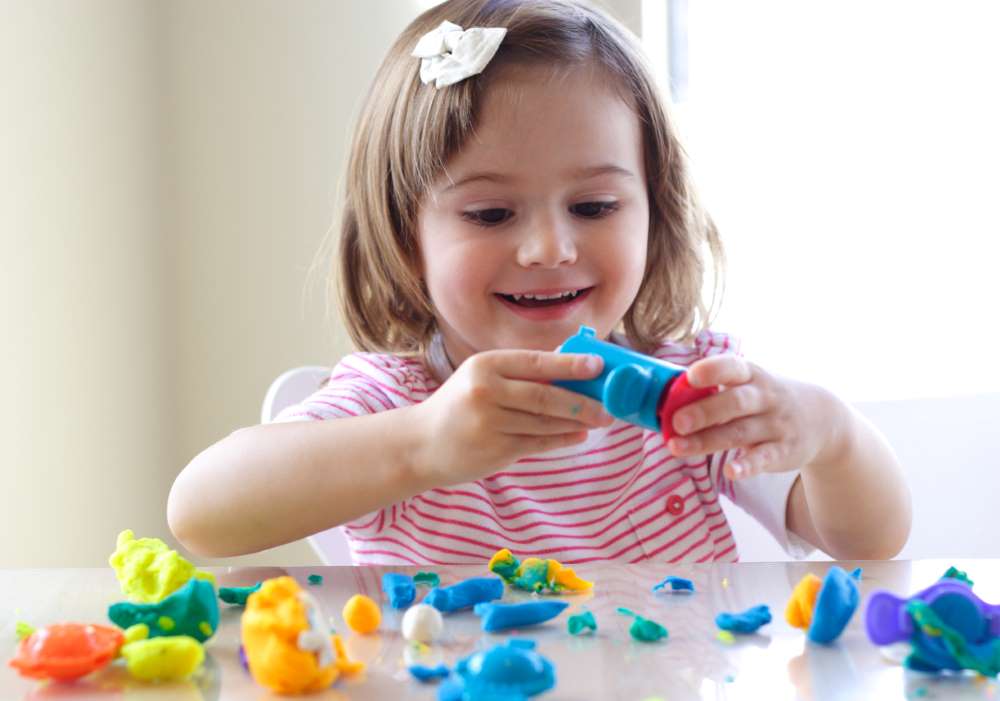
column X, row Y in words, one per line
column 680, row 393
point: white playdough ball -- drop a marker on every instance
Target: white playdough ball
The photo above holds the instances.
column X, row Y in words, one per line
column 422, row 623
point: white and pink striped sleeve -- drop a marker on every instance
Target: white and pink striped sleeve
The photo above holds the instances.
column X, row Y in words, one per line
column 360, row 384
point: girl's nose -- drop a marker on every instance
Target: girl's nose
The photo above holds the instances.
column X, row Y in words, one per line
column 547, row 244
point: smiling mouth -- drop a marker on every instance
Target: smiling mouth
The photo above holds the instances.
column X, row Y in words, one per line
column 533, row 301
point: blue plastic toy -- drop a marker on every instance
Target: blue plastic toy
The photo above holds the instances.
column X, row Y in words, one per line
column 503, row 616
column 949, row 626
column 633, row 387
column 465, row 594
column 675, row 584
column 512, row 671
column 423, row 673
column 747, row 622
column 400, row 589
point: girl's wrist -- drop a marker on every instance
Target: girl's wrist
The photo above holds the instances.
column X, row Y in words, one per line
column 836, row 418
column 416, row 463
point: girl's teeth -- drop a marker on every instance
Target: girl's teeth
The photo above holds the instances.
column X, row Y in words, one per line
column 555, row 296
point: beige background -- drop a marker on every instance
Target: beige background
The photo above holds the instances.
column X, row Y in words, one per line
column 168, row 171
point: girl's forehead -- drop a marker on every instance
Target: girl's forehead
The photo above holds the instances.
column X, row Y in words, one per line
column 533, row 117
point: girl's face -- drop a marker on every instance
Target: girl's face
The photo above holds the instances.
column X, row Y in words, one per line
column 546, row 199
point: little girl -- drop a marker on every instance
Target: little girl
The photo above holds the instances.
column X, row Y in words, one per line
column 514, row 176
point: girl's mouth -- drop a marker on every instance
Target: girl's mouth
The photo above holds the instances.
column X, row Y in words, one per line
column 554, row 300
column 545, row 308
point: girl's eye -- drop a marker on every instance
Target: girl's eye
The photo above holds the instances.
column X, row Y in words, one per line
column 488, row 217
column 593, row 210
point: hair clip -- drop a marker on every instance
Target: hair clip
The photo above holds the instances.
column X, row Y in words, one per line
column 449, row 53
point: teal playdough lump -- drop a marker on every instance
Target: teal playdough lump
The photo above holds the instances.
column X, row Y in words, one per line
column 237, row 595
column 643, row 629
column 191, row 610
column 580, row 623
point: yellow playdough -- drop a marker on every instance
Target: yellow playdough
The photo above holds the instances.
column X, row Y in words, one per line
column 172, row 658
column 535, row 574
column 361, row 614
column 148, row 570
column 799, row 611
column 288, row 645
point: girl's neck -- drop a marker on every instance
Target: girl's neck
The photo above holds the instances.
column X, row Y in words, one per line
column 437, row 360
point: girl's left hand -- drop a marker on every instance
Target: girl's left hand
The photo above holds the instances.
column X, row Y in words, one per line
column 777, row 424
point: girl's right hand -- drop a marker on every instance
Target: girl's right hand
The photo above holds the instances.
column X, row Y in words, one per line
column 498, row 407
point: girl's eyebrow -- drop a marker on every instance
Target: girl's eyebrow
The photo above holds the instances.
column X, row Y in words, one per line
column 577, row 174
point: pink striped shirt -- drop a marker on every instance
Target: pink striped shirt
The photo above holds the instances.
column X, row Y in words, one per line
column 621, row 495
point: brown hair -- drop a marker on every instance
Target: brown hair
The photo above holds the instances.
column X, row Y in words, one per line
column 407, row 131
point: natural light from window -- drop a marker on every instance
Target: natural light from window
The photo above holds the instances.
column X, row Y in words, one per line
column 850, row 155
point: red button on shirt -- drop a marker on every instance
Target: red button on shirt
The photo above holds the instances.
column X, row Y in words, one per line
column 675, row 504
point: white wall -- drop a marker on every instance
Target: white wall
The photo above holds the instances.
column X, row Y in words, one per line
column 168, row 173
column 87, row 423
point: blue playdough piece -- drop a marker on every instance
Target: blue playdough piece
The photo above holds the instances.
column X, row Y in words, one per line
column 512, row 671
column 503, row 616
column 191, row 610
column 465, row 594
column 426, row 674
column 676, row 584
column 836, row 602
column 399, row 589
column 747, row 622
column 629, row 386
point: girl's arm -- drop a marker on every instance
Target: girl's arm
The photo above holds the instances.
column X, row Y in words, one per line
column 272, row 484
column 852, row 500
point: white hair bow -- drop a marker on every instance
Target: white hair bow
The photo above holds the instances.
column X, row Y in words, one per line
column 449, row 53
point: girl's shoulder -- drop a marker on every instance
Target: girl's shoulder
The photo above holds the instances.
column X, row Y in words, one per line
column 394, row 375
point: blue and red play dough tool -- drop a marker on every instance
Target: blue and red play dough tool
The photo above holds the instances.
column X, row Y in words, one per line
column 633, row 387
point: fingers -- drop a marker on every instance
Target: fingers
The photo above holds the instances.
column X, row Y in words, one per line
column 735, row 434
column 543, row 365
column 726, row 369
column 548, row 400
column 525, row 424
column 753, row 461
column 721, row 408
column 531, row 445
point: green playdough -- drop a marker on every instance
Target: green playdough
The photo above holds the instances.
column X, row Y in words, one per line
column 22, row 630
column 643, row 629
column 581, row 623
column 237, row 595
column 429, row 578
column 316, row 579
column 191, row 610
column 954, row 573
column 931, row 624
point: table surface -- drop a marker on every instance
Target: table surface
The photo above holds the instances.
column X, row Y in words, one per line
column 777, row 663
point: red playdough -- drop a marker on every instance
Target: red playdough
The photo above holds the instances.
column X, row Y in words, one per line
column 66, row 651
column 680, row 393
